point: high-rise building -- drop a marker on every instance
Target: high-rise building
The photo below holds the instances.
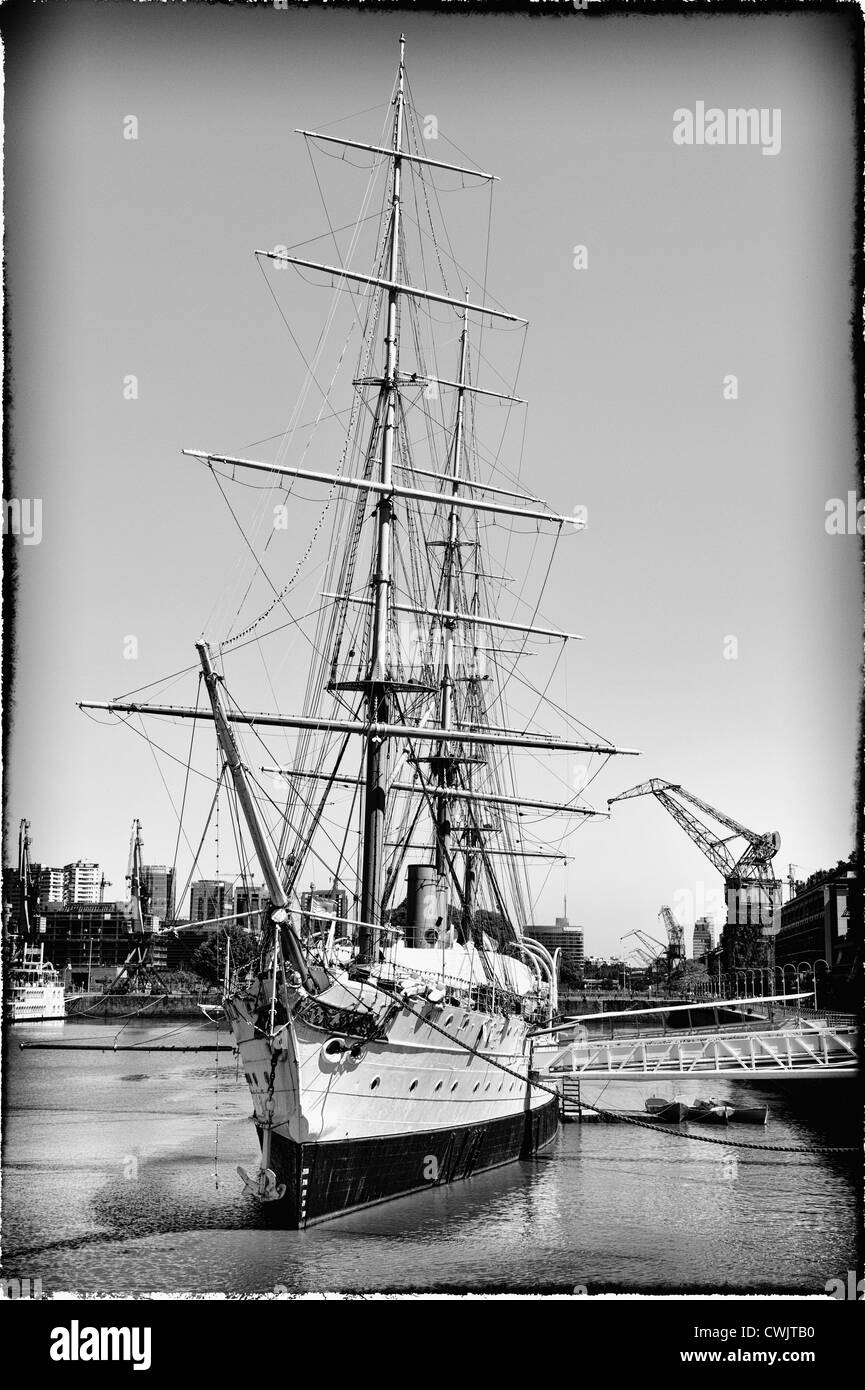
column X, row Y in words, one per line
column 704, row 938
column 157, row 881
column 50, row 885
column 81, row 882
column 565, row 938
column 210, row 898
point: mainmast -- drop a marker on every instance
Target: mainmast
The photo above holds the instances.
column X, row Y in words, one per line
column 378, row 699
column 445, row 761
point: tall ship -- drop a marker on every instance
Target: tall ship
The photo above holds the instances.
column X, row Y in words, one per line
column 387, row 1043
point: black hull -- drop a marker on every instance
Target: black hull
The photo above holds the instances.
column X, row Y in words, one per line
column 323, row 1181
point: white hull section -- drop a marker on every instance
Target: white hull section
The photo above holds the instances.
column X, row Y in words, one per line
column 421, row 1078
column 35, row 1002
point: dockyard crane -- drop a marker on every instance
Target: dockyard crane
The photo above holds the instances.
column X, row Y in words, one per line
column 662, row 960
column 138, row 906
column 752, row 888
column 675, row 939
column 24, row 889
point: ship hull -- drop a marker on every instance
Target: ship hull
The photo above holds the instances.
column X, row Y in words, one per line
column 330, row 1179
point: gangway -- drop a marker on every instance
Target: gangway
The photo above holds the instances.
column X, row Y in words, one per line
column 801, row 1048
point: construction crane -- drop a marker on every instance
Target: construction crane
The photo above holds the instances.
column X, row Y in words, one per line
column 752, row 888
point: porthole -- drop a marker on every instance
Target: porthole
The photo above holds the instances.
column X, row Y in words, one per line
column 487, row 1087
column 448, row 1021
column 477, row 1086
column 375, row 1081
column 413, row 1085
column 438, row 1085
column 454, row 1086
column 501, row 1085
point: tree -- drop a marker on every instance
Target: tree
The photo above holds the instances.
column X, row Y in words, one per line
column 209, row 960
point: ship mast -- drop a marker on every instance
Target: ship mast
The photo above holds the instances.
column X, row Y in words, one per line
column 378, row 698
column 278, row 900
column 445, row 762
column 379, row 720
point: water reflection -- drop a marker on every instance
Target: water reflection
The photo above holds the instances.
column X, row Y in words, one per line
column 120, row 1177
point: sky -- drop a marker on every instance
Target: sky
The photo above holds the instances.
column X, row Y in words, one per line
column 720, row 617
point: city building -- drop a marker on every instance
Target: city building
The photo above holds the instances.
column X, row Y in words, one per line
column 81, row 882
column 815, row 923
column 250, row 905
column 91, row 941
column 704, row 938
column 210, row 898
column 563, row 937
column 157, row 882
column 50, row 884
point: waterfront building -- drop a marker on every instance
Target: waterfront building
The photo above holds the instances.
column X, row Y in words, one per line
column 815, row 923
column 569, row 940
column 85, row 938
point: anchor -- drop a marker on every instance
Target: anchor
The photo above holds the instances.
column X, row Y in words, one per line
column 263, row 1186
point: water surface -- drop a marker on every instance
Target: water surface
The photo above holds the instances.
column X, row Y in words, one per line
column 119, row 1177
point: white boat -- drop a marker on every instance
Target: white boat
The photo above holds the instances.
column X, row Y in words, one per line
column 36, row 990
column 388, row 1052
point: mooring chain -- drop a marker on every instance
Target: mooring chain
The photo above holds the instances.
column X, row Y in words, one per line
column 617, row 1116
column 620, row 1117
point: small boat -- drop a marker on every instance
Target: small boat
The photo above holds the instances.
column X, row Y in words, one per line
column 733, row 1114
column 709, row 1112
column 748, row 1114
column 670, row 1111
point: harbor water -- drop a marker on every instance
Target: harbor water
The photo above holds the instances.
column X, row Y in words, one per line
column 120, row 1179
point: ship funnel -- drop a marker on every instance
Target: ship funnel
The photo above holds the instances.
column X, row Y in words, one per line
column 425, row 912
